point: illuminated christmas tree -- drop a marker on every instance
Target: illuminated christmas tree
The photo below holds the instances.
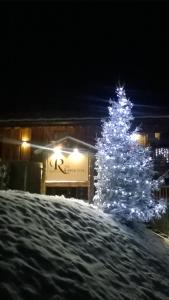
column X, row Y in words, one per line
column 124, row 181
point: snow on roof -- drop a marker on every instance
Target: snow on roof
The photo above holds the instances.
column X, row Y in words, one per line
column 57, row 248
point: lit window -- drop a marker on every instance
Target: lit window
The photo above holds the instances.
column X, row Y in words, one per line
column 140, row 138
column 157, row 135
column 135, row 136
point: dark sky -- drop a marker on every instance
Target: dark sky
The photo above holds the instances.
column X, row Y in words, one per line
column 71, row 55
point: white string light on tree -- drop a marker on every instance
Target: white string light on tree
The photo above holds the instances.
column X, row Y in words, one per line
column 124, row 181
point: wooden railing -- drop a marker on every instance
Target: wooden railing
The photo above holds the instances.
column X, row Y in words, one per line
column 162, row 193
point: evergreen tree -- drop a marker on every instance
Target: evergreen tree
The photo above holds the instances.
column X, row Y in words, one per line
column 124, row 181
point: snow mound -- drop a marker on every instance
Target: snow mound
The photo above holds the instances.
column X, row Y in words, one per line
column 56, row 248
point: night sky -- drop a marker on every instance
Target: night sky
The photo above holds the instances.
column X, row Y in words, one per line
column 70, row 56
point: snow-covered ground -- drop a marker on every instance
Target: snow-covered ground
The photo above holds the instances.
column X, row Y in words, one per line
column 56, row 248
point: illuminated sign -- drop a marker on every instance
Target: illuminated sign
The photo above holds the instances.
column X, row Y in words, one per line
column 67, row 167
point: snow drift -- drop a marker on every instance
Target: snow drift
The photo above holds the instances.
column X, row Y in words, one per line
column 57, row 248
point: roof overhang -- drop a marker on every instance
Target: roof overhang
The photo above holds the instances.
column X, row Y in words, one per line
column 87, row 146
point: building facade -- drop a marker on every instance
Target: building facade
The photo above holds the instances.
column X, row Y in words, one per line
column 28, row 143
column 56, row 156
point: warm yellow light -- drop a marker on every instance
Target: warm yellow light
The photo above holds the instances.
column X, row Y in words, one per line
column 75, row 151
column 25, row 144
column 136, row 137
column 25, row 134
column 76, row 155
column 57, row 153
column 57, row 149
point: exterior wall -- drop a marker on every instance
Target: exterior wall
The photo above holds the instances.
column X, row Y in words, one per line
column 12, row 148
column 46, row 134
column 15, row 147
column 7, row 150
column 12, row 137
column 86, row 130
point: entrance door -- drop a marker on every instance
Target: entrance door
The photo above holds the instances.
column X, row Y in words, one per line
column 69, row 192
